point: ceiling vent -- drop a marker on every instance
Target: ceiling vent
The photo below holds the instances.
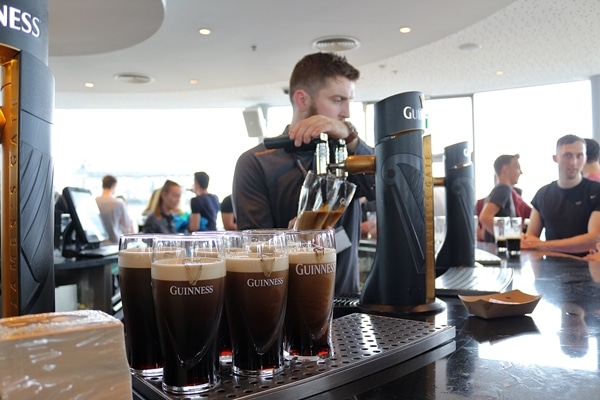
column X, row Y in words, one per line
column 133, row 78
column 336, row 43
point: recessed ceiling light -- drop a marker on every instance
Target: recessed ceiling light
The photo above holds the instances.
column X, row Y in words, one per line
column 133, row 78
column 89, row 84
column 193, row 81
column 336, row 43
column 499, row 72
column 204, row 31
column 469, row 47
column 404, row 29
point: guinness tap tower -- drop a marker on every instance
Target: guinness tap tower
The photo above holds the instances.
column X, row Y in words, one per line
column 401, row 280
column 26, row 105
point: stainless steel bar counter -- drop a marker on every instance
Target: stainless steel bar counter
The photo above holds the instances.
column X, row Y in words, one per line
column 551, row 353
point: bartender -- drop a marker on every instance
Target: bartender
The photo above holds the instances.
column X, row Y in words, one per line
column 267, row 183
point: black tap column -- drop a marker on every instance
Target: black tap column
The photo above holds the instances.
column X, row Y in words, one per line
column 458, row 249
column 27, row 263
column 397, row 281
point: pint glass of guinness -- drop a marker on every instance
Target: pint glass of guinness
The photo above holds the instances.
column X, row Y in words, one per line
column 500, row 224
column 141, row 339
column 309, row 312
column 337, row 204
column 316, row 194
column 257, row 283
column 513, row 232
column 224, row 338
column 188, row 289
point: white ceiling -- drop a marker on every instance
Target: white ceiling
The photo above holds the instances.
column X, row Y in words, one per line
column 255, row 44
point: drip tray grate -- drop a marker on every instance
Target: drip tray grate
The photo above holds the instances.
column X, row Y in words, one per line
column 362, row 343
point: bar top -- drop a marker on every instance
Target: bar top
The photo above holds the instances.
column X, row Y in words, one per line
column 551, row 353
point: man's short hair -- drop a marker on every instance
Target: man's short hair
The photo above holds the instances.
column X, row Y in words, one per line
column 568, row 139
column 312, row 72
column 503, row 160
column 592, row 150
column 202, row 179
column 108, row 182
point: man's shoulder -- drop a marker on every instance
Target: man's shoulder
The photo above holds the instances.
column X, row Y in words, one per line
column 591, row 190
column 256, row 154
column 549, row 186
column 592, row 184
column 500, row 192
column 206, row 199
column 105, row 200
column 215, row 199
column 502, row 187
column 261, row 157
column 199, row 198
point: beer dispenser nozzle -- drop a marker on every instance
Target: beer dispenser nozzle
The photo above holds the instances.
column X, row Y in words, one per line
column 340, row 156
column 322, row 154
column 341, row 163
column 355, row 165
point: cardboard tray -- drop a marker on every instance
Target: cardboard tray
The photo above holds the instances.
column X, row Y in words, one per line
column 498, row 305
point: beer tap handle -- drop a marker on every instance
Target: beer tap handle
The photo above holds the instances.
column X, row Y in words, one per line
column 284, row 142
column 322, row 154
column 341, row 154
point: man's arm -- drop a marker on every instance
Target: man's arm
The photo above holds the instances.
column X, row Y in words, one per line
column 574, row 244
column 486, row 217
column 195, row 215
column 194, row 224
column 228, row 221
column 535, row 224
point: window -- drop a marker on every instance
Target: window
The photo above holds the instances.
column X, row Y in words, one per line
column 528, row 122
column 144, row 147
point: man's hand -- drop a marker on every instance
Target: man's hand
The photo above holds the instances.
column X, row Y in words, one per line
column 292, row 223
column 305, row 130
column 529, row 242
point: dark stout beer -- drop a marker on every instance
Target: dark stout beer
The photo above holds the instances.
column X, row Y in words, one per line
column 311, row 219
column 256, row 299
column 310, row 303
column 513, row 246
column 501, row 244
column 141, row 332
column 333, row 217
column 189, row 298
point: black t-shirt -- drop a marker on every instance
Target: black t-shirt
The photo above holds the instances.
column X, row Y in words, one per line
column 227, row 205
column 566, row 212
column 207, row 205
column 501, row 196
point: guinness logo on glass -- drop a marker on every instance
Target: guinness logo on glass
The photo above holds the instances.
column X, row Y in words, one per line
column 267, row 262
column 193, row 270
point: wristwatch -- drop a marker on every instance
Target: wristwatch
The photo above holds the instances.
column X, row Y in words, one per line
column 352, row 132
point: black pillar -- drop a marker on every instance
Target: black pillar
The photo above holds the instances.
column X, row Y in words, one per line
column 27, row 262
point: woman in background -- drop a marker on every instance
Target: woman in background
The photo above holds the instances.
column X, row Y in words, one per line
column 162, row 219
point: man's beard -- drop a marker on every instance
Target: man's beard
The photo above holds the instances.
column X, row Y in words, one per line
column 312, row 110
